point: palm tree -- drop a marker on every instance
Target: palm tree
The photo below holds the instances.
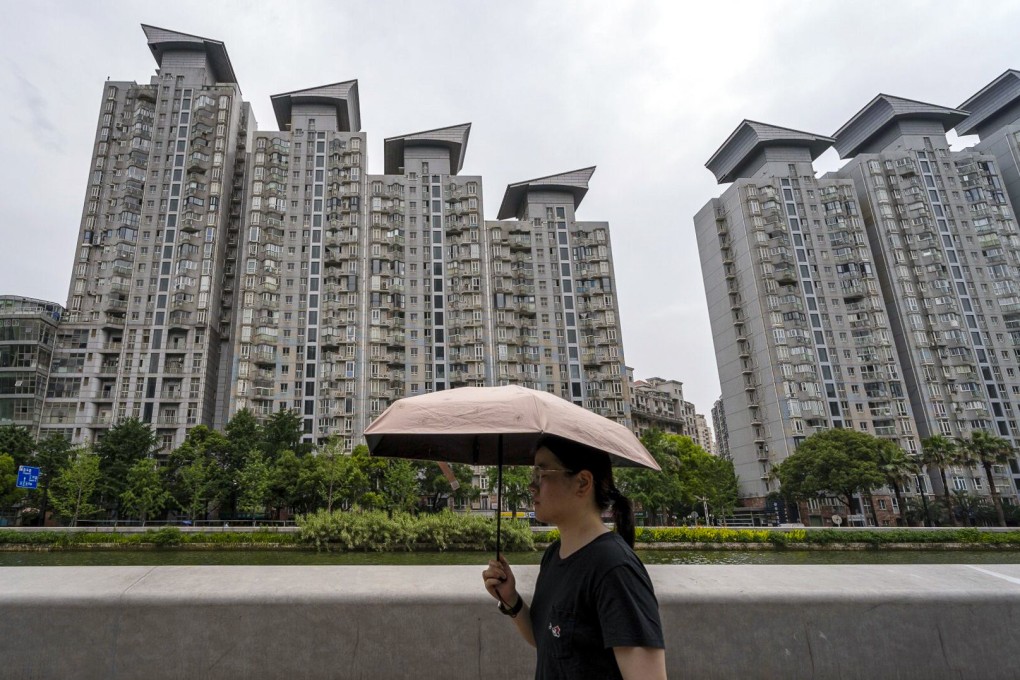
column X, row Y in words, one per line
column 941, row 452
column 898, row 469
column 986, row 450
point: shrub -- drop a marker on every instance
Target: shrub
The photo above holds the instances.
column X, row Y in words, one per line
column 164, row 537
column 377, row 531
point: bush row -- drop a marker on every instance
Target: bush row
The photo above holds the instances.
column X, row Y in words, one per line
column 165, row 536
column 969, row 536
column 823, row 536
column 378, row 531
column 338, row 530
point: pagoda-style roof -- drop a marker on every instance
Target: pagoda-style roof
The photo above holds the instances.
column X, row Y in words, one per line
column 1001, row 93
column 574, row 182
column 453, row 138
column 343, row 96
column 751, row 138
column 884, row 111
column 162, row 40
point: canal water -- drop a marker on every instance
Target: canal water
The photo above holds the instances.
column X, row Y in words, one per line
column 168, row 557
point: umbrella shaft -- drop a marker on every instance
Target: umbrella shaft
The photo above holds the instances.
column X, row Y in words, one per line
column 499, row 495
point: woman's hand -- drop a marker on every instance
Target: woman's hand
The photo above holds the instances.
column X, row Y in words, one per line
column 500, row 582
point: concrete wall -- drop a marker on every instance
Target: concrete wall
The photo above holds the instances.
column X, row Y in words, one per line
column 932, row 621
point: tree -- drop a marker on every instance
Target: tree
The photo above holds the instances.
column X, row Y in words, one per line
column 658, row 494
column 705, row 479
column 516, row 486
column 284, row 489
column 437, row 490
column 244, row 435
column 254, row 482
column 986, row 450
column 941, row 452
column 346, row 480
column 197, row 483
column 72, row 490
column 690, row 478
column 835, row 462
column 282, row 432
column 17, row 442
column 144, row 493
column 897, row 468
column 399, row 484
column 51, row 455
column 197, row 470
column 124, row 444
column 333, row 471
column 9, row 491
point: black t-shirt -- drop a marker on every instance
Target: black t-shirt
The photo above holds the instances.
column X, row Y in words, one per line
column 598, row 598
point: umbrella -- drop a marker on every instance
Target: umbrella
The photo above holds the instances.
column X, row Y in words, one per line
column 495, row 426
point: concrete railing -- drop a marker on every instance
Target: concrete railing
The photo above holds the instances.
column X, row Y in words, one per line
column 931, row 621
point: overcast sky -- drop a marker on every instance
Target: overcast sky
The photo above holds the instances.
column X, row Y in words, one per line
column 644, row 90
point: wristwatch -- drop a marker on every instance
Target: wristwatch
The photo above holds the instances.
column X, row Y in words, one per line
column 513, row 611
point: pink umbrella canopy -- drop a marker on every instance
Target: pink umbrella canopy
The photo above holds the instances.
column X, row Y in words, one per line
column 495, row 425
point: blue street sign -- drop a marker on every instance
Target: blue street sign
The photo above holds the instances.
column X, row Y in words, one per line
column 28, row 477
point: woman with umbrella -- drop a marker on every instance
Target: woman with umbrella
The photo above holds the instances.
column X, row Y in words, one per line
column 594, row 612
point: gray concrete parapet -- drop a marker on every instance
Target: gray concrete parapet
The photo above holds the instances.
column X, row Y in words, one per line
column 928, row 621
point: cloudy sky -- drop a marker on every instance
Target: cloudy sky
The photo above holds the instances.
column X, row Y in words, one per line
column 644, row 90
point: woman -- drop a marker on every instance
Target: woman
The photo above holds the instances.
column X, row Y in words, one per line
column 594, row 613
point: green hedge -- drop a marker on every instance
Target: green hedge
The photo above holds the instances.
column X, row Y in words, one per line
column 651, row 536
column 377, row 531
column 823, row 536
column 165, row 536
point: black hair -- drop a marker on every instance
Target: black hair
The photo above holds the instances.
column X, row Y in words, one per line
column 576, row 457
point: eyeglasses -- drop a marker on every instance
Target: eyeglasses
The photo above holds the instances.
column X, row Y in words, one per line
column 537, row 474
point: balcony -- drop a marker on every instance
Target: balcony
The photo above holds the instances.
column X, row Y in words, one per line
column 786, row 275
column 519, row 243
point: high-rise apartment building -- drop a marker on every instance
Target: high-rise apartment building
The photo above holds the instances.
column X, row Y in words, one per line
column 703, row 434
column 28, row 330
column 146, row 329
column 722, row 436
column 881, row 297
column 219, row 267
column 945, row 244
column 802, row 337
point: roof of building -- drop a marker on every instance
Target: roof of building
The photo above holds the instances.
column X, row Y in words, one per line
column 574, row 182
column 883, row 111
column 992, row 98
column 750, row 138
column 343, row 96
column 453, row 138
column 162, row 40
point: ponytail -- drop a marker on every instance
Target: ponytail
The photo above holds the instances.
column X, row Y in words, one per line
column 623, row 515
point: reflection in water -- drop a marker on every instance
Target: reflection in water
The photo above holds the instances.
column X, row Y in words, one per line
column 160, row 557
